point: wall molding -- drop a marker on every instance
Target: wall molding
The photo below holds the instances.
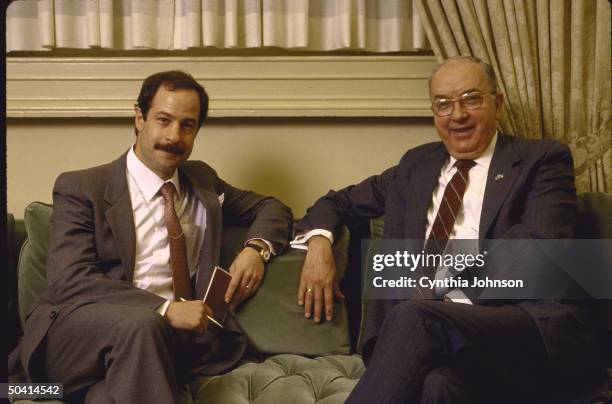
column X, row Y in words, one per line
column 377, row 86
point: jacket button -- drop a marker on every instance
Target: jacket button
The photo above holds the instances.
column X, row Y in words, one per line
column 53, row 314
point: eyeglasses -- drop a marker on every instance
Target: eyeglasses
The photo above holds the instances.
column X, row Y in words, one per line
column 469, row 101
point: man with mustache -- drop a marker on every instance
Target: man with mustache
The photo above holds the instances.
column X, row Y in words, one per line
column 476, row 183
column 132, row 248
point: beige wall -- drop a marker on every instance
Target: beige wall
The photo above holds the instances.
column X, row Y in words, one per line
column 294, row 159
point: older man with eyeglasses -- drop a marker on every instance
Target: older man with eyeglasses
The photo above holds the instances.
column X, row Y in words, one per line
column 475, row 184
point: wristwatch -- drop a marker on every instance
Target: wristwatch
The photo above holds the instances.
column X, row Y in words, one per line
column 263, row 252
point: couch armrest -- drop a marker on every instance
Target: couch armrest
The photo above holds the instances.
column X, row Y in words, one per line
column 272, row 320
column 15, row 237
column 275, row 323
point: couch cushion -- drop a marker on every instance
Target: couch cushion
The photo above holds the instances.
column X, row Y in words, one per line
column 283, row 379
column 31, row 277
column 280, row 379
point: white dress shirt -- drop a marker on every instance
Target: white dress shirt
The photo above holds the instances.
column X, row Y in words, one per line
column 151, row 267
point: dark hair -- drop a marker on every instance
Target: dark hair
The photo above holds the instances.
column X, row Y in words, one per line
column 171, row 80
column 486, row 68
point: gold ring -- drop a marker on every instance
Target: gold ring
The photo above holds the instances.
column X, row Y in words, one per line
column 309, row 290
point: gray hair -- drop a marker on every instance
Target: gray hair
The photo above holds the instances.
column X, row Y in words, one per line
column 486, row 68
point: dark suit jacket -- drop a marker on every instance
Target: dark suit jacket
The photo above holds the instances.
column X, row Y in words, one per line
column 535, row 199
column 92, row 247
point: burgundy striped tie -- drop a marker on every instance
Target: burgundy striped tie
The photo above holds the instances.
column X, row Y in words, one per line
column 178, row 245
column 446, row 216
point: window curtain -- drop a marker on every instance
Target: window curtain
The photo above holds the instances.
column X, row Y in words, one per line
column 552, row 61
column 315, row 25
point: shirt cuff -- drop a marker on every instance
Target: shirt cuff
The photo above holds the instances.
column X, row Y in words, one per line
column 163, row 308
column 457, row 296
column 269, row 244
column 300, row 241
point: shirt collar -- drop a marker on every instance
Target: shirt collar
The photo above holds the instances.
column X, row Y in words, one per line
column 484, row 160
column 146, row 180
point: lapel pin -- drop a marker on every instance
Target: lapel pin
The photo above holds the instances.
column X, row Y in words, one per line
column 499, row 177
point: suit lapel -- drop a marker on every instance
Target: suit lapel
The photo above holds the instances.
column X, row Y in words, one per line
column 119, row 214
column 424, row 180
column 502, row 174
column 211, row 247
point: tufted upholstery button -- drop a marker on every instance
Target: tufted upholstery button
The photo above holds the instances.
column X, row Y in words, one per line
column 281, row 379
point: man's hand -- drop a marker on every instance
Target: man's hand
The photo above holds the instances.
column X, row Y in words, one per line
column 247, row 272
column 189, row 315
column 319, row 281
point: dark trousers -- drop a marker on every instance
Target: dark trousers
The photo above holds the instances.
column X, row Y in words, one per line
column 105, row 353
column 432, row 352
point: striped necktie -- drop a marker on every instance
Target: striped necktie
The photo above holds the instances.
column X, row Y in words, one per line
column 446, row 217
column 178, row 245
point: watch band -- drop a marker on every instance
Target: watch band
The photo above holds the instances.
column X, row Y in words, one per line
column 263, row 252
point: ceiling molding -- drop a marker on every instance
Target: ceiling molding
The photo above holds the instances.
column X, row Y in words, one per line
column 372, row 86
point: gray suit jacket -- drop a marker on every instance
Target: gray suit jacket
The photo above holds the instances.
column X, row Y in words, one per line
column 92, row 244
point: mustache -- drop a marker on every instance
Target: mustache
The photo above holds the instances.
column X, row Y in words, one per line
column 170, row 148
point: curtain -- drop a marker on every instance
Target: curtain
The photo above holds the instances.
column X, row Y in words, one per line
column 316, row 25
column 552, row 62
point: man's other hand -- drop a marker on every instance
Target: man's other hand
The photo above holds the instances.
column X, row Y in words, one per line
column 190, row 315
column 319, row 281
column 247, row 272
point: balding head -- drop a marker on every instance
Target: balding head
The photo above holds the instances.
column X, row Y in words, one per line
column 486, row 68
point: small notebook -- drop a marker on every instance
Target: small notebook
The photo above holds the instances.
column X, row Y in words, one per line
column 215, row 295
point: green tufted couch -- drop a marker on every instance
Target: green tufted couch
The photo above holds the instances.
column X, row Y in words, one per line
column 292, row 360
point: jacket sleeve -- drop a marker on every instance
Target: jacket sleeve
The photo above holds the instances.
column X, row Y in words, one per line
column 364, row 200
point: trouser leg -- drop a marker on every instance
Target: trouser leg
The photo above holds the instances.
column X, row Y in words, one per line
column 404, row 353
column 130, row 348
column 489, row 348
column 98, row 394
column 445, row 385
